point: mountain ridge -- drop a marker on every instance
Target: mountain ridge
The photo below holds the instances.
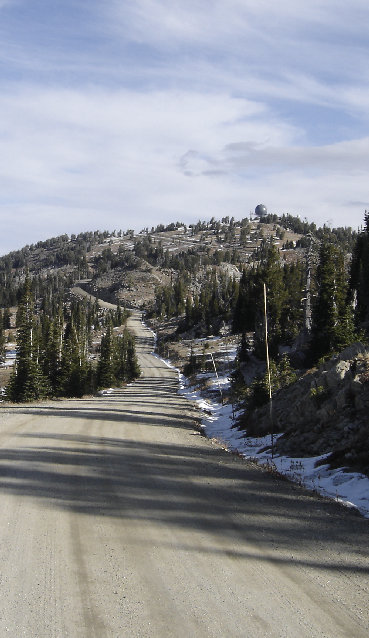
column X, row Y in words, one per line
column 203, row 279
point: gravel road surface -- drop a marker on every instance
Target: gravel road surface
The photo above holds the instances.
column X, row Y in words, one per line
column 119, row 520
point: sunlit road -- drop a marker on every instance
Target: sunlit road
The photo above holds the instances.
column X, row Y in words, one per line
column 119, row 520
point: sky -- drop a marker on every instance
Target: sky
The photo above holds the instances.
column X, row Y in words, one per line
column 118, row 114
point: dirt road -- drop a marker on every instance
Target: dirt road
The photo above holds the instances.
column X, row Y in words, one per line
column 118, row 520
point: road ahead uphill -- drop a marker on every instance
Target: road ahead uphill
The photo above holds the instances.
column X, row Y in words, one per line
column 119, row 520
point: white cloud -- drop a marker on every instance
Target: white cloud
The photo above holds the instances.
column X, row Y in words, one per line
column 75, row 160
column 174, row 109
column 291, row 50
column 345, row 157
column 111, row 157
column 167, row 21
column 47, row 135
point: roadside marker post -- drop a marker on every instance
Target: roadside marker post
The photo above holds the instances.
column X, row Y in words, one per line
column 268, row 370
column 216, row 374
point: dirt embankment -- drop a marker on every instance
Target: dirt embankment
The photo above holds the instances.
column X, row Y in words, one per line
column 326, row 411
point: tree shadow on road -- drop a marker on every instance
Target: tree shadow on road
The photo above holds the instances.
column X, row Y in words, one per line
column 186, row 487
column 159, row 396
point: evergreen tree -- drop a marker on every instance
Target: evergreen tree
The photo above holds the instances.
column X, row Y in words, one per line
column 107, row 362
column 243, row 349
column 249, row 291
column 2, row 342
column 284, row 292
column 27, row 382
column 359, row 276
column 345, row 331
column 179, row 294
column 52, row 351
column 6, row 318
column 292, row 315
column 132, row 367
column 119, row 316
column 332, row 324
column 272, row 275
column 270, row 272
column 126, row 364
column 73, row 366
column 189, row 315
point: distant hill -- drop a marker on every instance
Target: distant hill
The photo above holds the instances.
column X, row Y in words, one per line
column 127, row 267
column 201, row 281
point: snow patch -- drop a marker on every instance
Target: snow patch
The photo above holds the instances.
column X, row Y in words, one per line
column 349, row 488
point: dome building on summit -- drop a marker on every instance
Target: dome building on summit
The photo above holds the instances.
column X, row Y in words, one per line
column 261, row 210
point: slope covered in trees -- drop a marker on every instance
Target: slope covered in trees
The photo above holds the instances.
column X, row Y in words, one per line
column 208, row 277
column 53, row 353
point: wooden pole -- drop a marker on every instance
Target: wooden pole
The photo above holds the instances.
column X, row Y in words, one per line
column 268, row 369
column 216, row 374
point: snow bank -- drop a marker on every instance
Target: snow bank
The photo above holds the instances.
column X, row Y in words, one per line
column 349, row 488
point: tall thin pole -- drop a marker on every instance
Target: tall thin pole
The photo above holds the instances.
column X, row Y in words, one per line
column 216, row 374
column 309, row 263
column 268, row 369
column 229, row 367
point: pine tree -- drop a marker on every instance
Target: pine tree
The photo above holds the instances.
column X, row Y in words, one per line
column 6, row 318
column 126, row 363
column 2, row 342
column 269, row 272
column 243, row 349
column 52, row 351
column 27, row 382
column 332, row 325
column 345, row 330
column 107, row 362
column 188, row 323
column 292, row 312
column 119, row 316
column 73, row 366
column 132, row 368
column 179, row 294
column 359, row 276
column 249, row 291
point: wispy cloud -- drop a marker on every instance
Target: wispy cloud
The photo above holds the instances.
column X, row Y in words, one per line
column 155, row 109
column 345, row 157
column 166, row 21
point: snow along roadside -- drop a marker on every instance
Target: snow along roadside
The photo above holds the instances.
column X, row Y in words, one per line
column 349, row 488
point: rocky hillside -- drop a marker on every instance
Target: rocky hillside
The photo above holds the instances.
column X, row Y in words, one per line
column 324, row 412
column 204, row 281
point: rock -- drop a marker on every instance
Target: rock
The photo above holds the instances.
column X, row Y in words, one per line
column 326, row 411
column 351, row 352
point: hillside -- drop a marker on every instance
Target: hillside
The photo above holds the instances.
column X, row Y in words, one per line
column 203, row 280
column 325, row 412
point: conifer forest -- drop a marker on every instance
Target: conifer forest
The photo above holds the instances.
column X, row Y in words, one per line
column 204, row 277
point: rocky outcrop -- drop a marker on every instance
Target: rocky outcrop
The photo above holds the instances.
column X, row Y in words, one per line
column 133, row 287
column 326, row 411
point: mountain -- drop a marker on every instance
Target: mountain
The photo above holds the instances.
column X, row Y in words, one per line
column 206, row 280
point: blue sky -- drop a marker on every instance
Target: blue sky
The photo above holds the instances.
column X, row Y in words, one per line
column 126, row 114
